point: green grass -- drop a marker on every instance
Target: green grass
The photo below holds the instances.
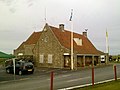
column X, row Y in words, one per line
column 113, row 85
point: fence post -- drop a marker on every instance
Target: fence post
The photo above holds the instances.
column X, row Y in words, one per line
column 51, row 81
column 92, row 75
column 115, row 72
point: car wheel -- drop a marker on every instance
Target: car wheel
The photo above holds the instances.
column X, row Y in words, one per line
column 20, row 73
column 8, row 70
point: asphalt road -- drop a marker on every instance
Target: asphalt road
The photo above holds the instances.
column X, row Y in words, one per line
column 40, row 80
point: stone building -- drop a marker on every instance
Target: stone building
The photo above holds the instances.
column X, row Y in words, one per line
column 52, row 48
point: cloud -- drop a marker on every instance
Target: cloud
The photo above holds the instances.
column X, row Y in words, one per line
column 25, row 16
column 12, row 10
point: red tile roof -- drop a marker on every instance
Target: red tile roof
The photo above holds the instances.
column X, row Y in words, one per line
column 33, row 38
column 64, row 37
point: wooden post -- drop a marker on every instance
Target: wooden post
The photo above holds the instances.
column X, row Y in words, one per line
column 51, row 81
column 115, row 73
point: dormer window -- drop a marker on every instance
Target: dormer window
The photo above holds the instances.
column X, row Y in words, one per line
column 78, row 41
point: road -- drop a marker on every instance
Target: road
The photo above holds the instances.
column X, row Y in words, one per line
column 62, row 79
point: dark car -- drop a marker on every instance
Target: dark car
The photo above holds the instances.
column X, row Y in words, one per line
column 21, row 67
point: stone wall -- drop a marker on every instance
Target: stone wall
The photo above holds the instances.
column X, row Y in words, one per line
column 17, row 51
column 29, row 49
column 47, row 45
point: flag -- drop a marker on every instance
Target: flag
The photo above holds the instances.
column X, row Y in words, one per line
column 71, row 15
column 106, row 34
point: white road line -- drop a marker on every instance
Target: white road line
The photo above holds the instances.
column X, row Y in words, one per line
column 22, row 79
column 66, row 75
column 62, row 76
column 73, row 80
column 75, row 87
column 69, row 88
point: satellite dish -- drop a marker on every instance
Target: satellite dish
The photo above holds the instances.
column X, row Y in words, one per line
column 86, row 29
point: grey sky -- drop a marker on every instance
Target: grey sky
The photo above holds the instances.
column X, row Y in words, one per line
column 20, row 18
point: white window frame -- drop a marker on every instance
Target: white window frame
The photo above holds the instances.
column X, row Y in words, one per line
column 41, row 58
column 50, row 58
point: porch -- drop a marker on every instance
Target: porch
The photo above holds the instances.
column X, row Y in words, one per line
column 82, row 60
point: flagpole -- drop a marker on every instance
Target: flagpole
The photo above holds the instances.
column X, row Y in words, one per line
column 106, row 41
column 71, row 22
column 107, row 47
column 45, row 16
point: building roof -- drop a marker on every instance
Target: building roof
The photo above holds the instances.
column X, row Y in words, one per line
column 4, row 55
column 64, row 37
column 31, row 40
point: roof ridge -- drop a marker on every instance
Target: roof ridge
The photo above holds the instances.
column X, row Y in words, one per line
column 66, row 30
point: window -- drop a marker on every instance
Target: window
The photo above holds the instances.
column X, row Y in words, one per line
column 50, row 58
column 41, row 58
column 78, row 41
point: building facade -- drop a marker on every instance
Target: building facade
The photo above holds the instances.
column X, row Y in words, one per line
column 52, row 48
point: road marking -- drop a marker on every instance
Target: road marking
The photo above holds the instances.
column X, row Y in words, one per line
column 74, row 80
column 62, row 76
column 69, row 88
column 66, row 75
column 15, row 80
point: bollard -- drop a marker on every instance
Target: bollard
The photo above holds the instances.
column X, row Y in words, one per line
column 93, row 76
column 51, row 82
column 115, row 73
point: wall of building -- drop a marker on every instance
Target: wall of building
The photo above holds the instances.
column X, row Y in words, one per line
column 18, row 51
column 49, row 45
column 29, row 49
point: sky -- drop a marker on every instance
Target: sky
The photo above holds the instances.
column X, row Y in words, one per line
column 20, row 18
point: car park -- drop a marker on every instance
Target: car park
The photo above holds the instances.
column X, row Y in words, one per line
column 20, row 67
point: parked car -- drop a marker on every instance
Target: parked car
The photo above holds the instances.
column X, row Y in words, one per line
column 21, row 67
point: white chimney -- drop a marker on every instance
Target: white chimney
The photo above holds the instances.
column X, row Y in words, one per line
column 61, row 27
column 85, row 34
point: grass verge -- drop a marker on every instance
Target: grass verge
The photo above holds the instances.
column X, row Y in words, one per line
column 113, row 85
